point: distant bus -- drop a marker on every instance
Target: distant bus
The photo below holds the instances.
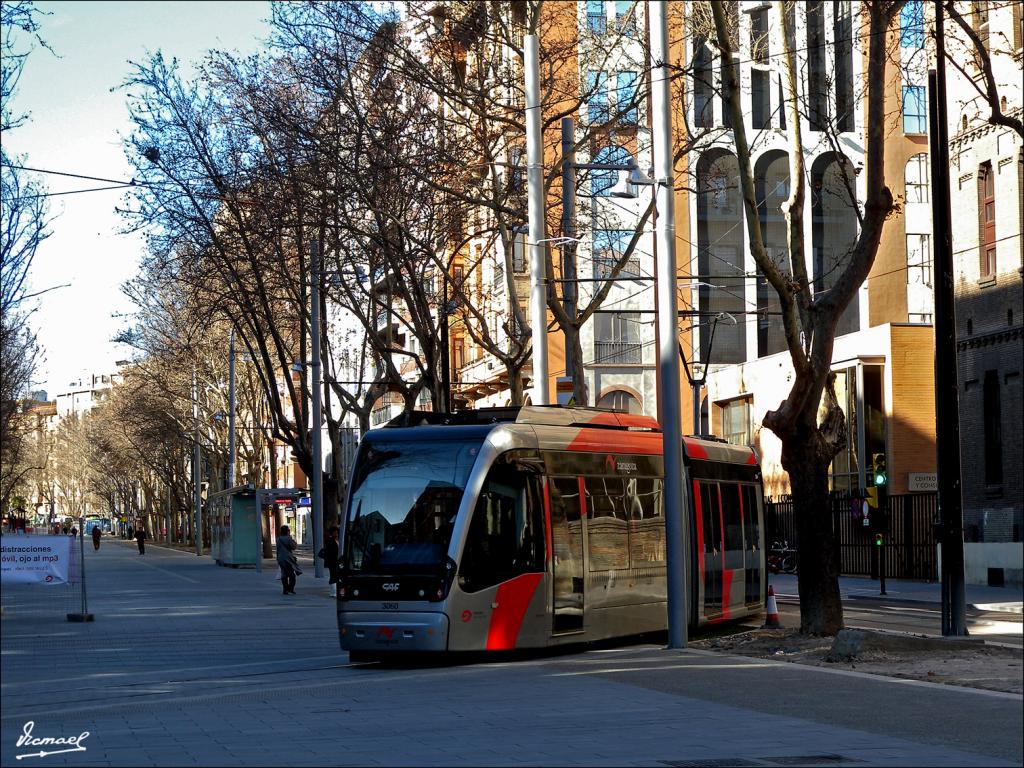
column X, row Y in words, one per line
column 537, row 526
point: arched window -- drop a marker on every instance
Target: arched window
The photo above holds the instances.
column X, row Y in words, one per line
column 601, row 182
column 834, row 230
column 720, row 255
column 771, row 188
column 916, row 179
column 620, row 400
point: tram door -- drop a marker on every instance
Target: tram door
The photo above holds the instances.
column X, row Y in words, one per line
column 567, row 554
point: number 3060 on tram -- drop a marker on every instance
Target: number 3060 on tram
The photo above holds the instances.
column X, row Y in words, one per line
column 529, row 527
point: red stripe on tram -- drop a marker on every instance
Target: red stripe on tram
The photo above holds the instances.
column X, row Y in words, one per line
column 511, row 602
column 605, row 441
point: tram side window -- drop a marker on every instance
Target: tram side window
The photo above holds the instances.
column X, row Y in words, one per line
column 607, row 527
column 733, row 525
column 646, row 521
column 711, row 519
column 506, row 534
column 751, row 527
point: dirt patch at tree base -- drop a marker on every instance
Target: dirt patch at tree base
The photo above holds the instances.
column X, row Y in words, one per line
column 968, row 663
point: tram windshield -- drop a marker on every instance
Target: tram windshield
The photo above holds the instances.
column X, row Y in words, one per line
column 405, row 496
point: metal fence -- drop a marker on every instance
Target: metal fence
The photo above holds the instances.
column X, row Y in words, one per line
column 910, row 544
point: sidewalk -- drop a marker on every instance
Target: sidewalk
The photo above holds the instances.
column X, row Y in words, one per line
column 1004, row 599
column 188, row 663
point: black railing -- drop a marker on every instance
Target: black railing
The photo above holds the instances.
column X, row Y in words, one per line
column 907, row 530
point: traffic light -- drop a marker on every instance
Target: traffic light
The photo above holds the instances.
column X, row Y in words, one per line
column 879, row 471
column 878, row 539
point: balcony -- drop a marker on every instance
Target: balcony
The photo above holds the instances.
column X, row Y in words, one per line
column 618, row 352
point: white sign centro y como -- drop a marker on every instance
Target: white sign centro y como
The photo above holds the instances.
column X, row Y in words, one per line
column 921, row 482
column 35, row 559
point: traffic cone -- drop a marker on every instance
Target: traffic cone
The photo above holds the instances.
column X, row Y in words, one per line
column 771, row 619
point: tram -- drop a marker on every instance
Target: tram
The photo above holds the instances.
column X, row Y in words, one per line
column 530, row 527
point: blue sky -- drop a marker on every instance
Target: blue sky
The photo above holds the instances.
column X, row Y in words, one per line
column 75, row 124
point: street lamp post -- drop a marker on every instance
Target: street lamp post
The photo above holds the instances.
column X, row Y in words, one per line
column 231, row 410
column 197, row 491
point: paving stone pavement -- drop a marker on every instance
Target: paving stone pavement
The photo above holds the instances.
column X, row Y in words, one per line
column 188, row 663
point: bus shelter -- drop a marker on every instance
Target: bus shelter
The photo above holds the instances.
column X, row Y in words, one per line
column 233, row 526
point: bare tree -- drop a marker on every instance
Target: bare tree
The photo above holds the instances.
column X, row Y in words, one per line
column 23, row 227
column 810, row 422
column 971, row 49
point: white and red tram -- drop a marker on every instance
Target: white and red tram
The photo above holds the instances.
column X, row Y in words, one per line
column 537, row 526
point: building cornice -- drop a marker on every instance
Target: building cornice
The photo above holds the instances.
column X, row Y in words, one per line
column 972, row 134
column 1002, row 336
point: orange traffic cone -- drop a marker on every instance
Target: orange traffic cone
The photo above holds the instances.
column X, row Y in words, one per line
column 771, row 619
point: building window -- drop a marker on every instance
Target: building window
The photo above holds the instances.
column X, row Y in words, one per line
column 703, row 87
column 519, row 259
column 597, row 97
column 625, row 18
column 761, row 108
column 992, row 416
column 736, row 426
column 916, row 179
column 843, row 28
column 915, row 115
column 759, row 35
column 987, row 219
column 601, row 182
column 609, row 245
column 919, row 259
column 979, row 20
column 817, row 82
column 597, row 22
column 625, row 97
column 912, row 25
column 617, row 338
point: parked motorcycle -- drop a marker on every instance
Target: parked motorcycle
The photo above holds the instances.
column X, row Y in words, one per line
column 783, row 558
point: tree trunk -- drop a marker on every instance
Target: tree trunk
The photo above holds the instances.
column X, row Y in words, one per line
column 821, row 608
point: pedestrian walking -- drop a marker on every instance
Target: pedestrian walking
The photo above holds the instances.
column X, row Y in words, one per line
column 96, row 533
column 330, row 554
column 286, row 558
column 140, row 538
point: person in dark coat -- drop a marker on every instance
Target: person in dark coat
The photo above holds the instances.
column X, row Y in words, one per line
column 96, row 533
column 332, row 554
column 287, row 560
column 140, row 538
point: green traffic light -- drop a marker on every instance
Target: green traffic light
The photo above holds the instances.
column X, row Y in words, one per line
column 880, row 478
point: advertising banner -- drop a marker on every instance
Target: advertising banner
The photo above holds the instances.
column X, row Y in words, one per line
column 35, row 559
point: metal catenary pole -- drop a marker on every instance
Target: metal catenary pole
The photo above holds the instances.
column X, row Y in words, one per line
column 947, row 426
column 316, row 495
column 535, row 212
column 668, row 328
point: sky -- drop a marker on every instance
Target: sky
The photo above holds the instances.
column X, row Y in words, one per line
column 75, row 126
